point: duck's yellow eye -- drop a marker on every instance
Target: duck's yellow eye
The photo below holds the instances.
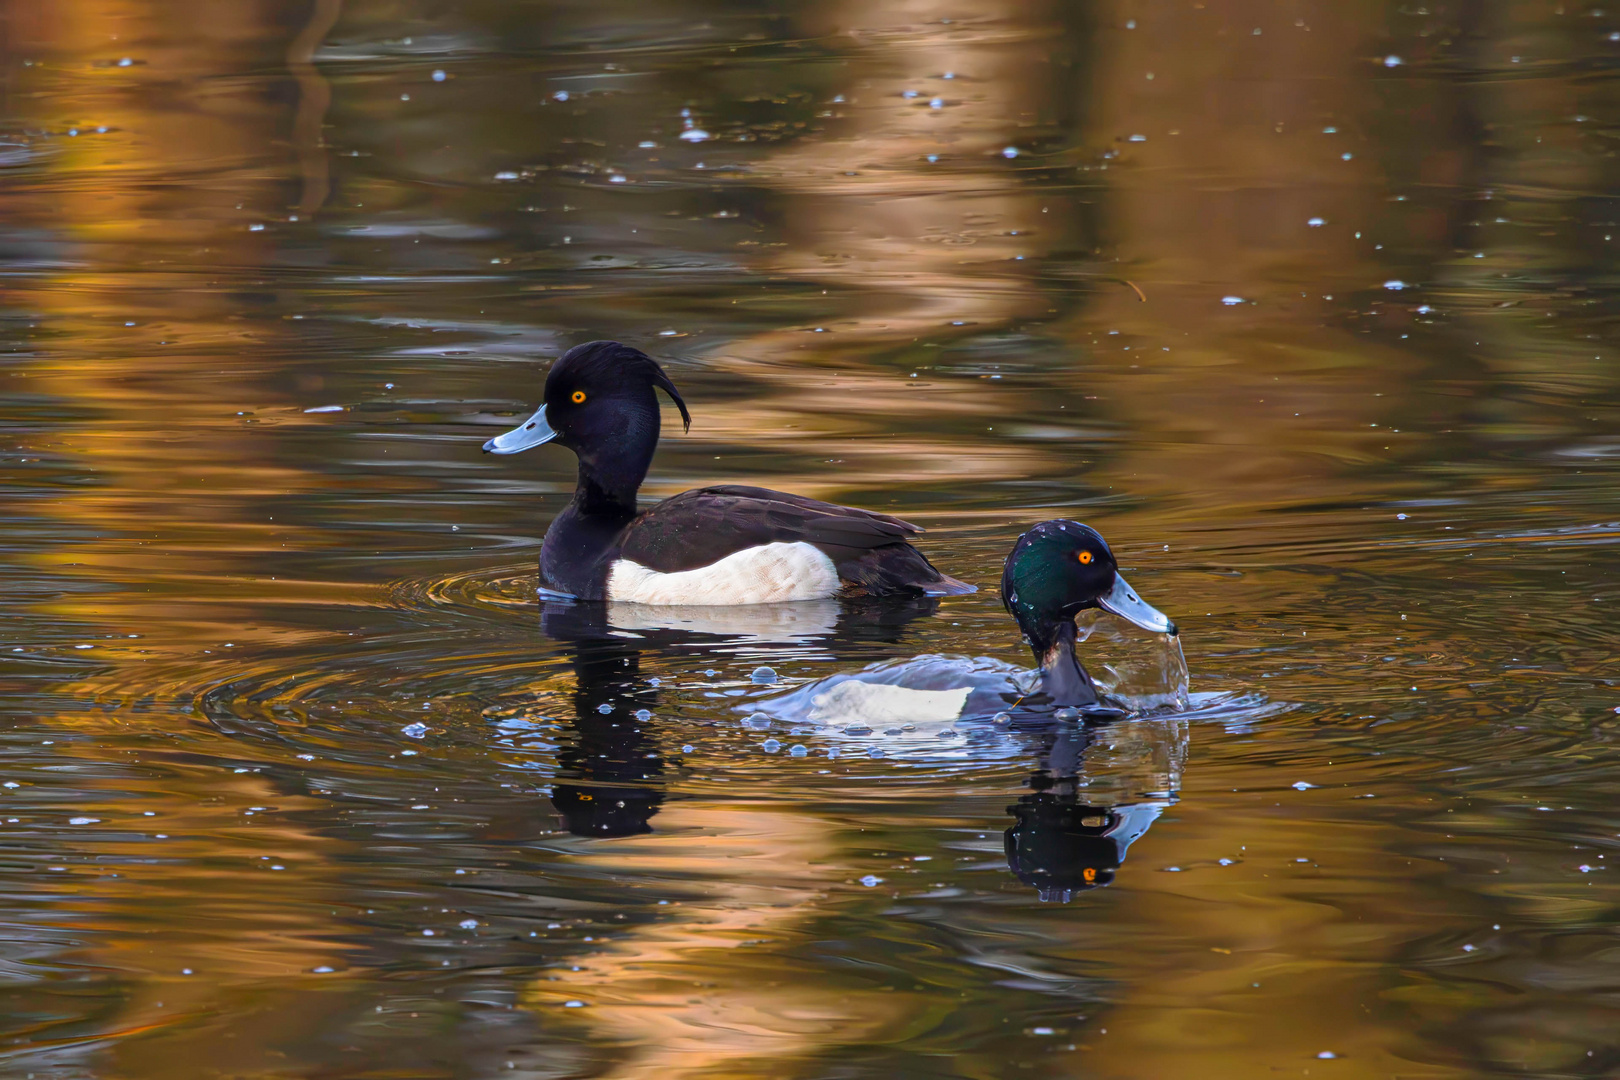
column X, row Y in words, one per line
column 1085, row 557
column 579, row 397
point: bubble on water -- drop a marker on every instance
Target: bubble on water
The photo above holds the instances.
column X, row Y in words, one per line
column 468, row 924
column 857, row 729
column 763, row 675
column 1300, row 785
column 322, row 970
column 875, row 752
column 1392, row 61
column 799, row 750
column 1346, row 156
column 604, row 708
column 1001, row 719
column 325, row 409
column 1316, row 222
column 1172, row 869
column 643, row 714
column 1395, row 284
column 1231, row 301
column 694, row 135
column 757, row 722
column 687, row 748
column 415, row 731
column 1067, row 713
column 871, row 881
column 1009, row 152
column 710, row 672
column 908, row 94
column 94, row 820
column 948, row 733
column 1137, row 138
column 832, row 752
column 937, row 103
column 1326, row 1055
column 1400, row 517
column 439, row 76
column 560, row 95
column 770, row 746
column 573, row 1004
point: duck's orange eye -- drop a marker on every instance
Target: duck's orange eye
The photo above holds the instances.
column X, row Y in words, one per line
column 1085, row 557
column 579, row 397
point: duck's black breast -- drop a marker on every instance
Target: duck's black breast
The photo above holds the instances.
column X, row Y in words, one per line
column 699, row 528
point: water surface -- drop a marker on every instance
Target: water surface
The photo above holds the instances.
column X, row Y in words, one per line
column 1309, row 309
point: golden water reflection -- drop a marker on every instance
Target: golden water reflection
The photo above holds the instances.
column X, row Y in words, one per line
column 1306, row 309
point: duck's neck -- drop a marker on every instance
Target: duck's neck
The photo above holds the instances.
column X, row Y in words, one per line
column 583, row 540
column 1063, row 679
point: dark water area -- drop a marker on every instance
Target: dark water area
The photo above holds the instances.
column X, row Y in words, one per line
column 1308, row 307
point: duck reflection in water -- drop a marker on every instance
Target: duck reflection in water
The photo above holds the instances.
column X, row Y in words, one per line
column 610, row 778
column 1097, row 791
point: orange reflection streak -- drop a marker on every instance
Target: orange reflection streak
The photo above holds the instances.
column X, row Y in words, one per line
column 686, row 993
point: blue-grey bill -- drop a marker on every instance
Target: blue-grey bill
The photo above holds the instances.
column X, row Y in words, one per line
column 1122, row 600
column 532, row 432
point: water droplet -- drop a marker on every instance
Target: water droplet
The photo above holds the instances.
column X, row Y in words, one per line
column 1231, row 301
column 799, row 750
column 770, row 746
column 1001, row 719
column 643, row 715
column 439, row 76
column 1300, row 785
column 875, row 752
column 763, row 675
column 604, row 708
column 1009, row 152
column 871, row 881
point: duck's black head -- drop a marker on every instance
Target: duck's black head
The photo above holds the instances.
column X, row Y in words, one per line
column 600, row 403
column 1057, row 570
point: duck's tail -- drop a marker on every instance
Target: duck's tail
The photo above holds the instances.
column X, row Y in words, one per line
column 948, row 586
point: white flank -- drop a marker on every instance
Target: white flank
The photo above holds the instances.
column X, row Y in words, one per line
column 881, row 703
column 767, row 574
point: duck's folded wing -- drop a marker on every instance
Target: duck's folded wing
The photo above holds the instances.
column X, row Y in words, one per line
column 701, row 527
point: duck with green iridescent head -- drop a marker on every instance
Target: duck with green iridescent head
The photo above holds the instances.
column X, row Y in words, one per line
column 1056, row 571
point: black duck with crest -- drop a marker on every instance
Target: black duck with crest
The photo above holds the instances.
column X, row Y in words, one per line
column 717, row 545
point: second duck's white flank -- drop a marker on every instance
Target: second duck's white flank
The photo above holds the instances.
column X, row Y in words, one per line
column 767, row 574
